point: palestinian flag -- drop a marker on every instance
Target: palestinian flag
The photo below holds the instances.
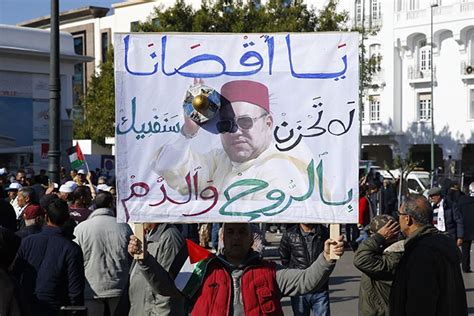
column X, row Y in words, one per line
column 76, row 157
column 191, row 275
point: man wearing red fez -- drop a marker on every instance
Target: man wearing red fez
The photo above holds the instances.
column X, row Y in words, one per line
column 248, row 151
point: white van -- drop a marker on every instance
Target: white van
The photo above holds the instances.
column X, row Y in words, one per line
column 417, row 181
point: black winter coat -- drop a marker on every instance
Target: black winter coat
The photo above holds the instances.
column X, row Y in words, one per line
column 466, row 208
column 294, row 251
column 428, row 280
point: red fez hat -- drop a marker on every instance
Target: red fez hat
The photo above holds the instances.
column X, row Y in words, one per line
column 247, row 91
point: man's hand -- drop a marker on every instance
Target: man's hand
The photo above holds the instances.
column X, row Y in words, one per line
column 459, row 242
column 135, row 246
column 190, row 128
column 50, row 188
column 338, row 247
column 390, row 230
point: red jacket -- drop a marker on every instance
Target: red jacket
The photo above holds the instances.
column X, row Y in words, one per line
column 260, row 293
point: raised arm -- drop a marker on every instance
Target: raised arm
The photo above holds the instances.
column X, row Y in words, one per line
column 158, row 278
column 296, row 281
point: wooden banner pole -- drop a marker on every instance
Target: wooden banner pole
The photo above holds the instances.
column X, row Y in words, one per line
column 334, row 233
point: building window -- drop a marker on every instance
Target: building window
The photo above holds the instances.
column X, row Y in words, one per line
column 104, row 45
column 413, row 5
column 134, row 26
column 362, row 112
column 374, row 105
column 471, row 107
column 358, row 12
column 78, row 79
column 376, row 14
column 375, row 58
column 424, row 106
column 425, row 58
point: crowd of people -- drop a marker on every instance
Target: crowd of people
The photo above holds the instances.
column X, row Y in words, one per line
column 62, row 248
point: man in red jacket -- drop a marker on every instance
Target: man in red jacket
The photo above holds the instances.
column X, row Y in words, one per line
column 239, row 282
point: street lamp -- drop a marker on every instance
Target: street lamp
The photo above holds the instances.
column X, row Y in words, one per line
column 432, row 96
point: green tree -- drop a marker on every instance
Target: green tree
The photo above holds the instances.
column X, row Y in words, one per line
column 98, row 105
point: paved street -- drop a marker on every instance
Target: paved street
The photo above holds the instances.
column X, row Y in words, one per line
column 344, row 285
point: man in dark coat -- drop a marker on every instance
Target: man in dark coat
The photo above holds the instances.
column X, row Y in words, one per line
column 446, row 216
column 388, row 205
column 466, row 208
column 300, row 246
column 428, row 280
column 377, row 258
column 50, row 267
column 7, row 215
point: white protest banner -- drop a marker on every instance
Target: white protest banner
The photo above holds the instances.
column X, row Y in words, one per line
column 237, row 127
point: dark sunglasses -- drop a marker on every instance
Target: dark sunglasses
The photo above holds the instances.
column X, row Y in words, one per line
column 245, row 122
column 402, row 214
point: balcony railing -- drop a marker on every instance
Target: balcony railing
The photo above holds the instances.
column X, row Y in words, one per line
column 467, row 67
column 415, row 73
column 446, row 10
column 378, row 76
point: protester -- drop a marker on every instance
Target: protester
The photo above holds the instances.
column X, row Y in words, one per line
column 66, row 191
column 50, row 267
column 446, row 216
column 33, row 215
column 377, row 258
column 10, row 305
column 79, row 209
column 300, row 246
column 106, row 261
column 241, row 268
column 12, row 192
column 428, row 280
column 466, row 208
column 26, row 197
column 7, row 216
column 20, row 177
column 3, row 182
column 388, row 198
column 164, row 242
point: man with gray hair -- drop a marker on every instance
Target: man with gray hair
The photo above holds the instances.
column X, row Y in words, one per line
column 466, row 208
column 428, row 280
column 26, row 197
column 377, row 258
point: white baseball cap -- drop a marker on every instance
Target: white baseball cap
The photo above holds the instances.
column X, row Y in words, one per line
column 14, row 186
column 104, row 187
column 3, row 171
column 81, row 171
column 68, row 187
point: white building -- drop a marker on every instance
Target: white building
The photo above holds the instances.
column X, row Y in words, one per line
column 24, row 96
column 397, row 109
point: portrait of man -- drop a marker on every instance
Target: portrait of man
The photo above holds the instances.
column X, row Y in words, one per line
column 248, row 152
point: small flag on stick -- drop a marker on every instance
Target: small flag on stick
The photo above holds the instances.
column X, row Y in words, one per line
column 192, row 273
column 76, row 157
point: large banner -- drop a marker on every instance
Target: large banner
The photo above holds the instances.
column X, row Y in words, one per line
column 237, row 127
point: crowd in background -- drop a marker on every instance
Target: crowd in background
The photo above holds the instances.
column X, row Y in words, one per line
column 60, row 245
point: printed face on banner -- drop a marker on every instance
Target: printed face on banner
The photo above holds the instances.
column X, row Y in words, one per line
column 237, row 128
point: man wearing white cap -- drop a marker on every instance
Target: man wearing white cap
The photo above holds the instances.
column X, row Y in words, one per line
column 247, row 150
column 12, row 192
column 65, row 191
